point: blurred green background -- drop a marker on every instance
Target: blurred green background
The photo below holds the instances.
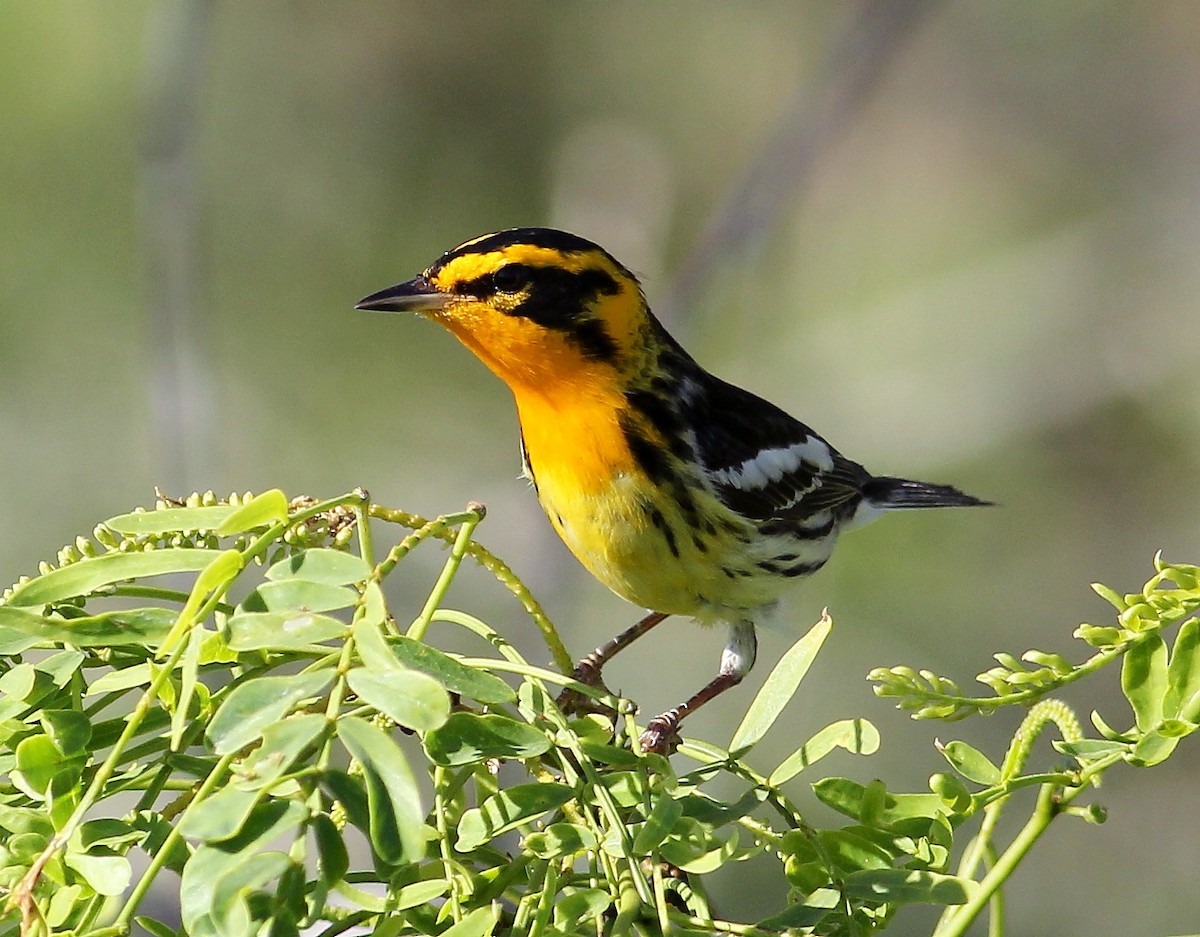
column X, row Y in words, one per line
column 988, row 276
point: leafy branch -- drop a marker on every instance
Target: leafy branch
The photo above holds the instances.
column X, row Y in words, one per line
column 1168, row 597
column 303, row 756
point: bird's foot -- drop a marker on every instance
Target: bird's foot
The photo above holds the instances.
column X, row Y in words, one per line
column 573, row 702
column 662, row 733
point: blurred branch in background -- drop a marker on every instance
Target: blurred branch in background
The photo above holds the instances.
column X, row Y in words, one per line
column 810, row 123
column 179, row 387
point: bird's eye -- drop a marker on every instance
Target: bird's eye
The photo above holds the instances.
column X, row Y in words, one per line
column 511, row 278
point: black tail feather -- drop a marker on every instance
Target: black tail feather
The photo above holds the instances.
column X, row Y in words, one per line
column 886, row 492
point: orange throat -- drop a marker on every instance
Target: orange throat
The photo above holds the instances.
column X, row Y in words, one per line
column 569, row 406
column 574, row 444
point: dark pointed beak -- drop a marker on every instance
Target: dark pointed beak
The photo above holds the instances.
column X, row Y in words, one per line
column 417, row 295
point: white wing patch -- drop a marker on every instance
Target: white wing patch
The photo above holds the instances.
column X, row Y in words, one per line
column 772, row 465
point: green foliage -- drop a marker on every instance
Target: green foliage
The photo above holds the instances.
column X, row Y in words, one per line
column 262, row 724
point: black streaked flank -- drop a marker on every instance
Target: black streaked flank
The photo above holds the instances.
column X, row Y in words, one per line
column 657, row 519
column 661, row 414
column 650, row 458
column 803, row 569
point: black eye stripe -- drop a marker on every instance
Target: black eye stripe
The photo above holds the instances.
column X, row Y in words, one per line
column 511, row 278
column 555, row 298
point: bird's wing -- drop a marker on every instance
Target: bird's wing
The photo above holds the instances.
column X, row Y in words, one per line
column 765, row 464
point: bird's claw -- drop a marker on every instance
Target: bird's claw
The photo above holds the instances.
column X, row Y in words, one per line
column 572, row 702
column 662, row 734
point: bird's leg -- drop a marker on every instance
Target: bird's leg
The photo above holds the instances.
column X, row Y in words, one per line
column 661, row 733
column 588, row 669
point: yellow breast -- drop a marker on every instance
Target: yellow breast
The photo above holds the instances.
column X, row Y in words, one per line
column 598, row 500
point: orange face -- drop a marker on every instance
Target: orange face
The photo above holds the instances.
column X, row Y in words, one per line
column 554, row 317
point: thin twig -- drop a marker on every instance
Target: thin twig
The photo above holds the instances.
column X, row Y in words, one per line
column 180, row 396
column 810, row 123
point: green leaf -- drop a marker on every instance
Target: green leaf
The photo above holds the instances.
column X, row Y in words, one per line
column 1153, row 748
column 255, row 630
column 15, row 641
column 19, row 820
column 147, row 626
column 626, row 788
column 587, row 904
column 508, row 809
column 396, row 827
column 221, row 816
column 1089, row 749
column 728, row 851
column 904, row 886
column 206, row 902
column 409, row 698
column 37, row 762
column 479, row 923
column 715, row 813
column 351, row 793
column 658, row 826
column 26, row 683
column 282, row 744
column 124, row 679
column 215, row 577
column 106, row 875
column 418, row 893
column 154, row 928
column 468, row 739
column 69, row 729
column 606, row 754
column 298, row 595
column 270, row 507
column 855, row 735
column 61, row 908
column 952, row 791
column 1110, row 596
column 1144, row 680
column 332, row 855
column 471, row 682
column 560, row 839
column 109, row 833
column 816, row 906
column 1099, row 636
column 373, row 610
column 971, row 763
column 1183, row 672
column 855, row 800
column 851, row 852
column 258, row 703
column 170, row 520
column 780, row 687
column 688, row 842
column 320, row 564
column 94, row 572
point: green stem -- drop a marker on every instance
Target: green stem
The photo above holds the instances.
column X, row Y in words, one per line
column 545, row 903
column 996, row 911
column 474, row 514
column 1032, row 694
column 22, row 893
column 168, row 844
column 503, row 573
column 439, row 811
column 1044, row 812
column 362, row 519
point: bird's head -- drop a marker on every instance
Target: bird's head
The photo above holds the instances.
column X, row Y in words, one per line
column 544, row 309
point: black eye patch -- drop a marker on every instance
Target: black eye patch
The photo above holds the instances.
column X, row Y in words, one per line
column 511, row 278
column 554, row 297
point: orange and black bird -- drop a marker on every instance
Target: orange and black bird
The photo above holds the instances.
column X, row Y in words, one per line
column 680, row 492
